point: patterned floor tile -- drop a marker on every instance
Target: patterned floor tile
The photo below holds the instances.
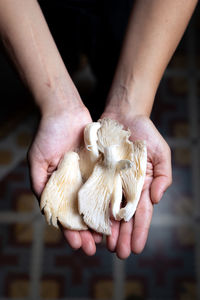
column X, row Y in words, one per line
column 82, row 275
column 165, row 261
column 178, row 199
column 15, row 190
column 14, row 262
column 170, row 112
column 169, row 267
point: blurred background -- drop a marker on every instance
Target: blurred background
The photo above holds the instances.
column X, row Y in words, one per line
column 35, row 262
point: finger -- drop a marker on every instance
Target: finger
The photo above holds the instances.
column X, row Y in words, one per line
column 162, row 177
column 73, row 238
column 124, row 241
column 97, row 237
column 38, row 180
column 158, row 187
column 142, row 220
column 88, row 243
column 111, row 240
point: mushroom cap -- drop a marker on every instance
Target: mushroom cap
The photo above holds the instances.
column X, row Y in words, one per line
column 112, row 133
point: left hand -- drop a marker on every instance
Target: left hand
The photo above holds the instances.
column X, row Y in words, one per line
column 132, row 235
column 58, row 133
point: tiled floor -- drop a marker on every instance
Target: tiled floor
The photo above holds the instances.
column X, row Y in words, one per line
column 35, row 262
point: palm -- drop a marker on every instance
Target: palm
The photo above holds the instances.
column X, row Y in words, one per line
column 56, row 135
column 143, row 129
column 158, row 155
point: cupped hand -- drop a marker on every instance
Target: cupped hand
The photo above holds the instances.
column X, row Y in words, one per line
column 57, row 134
column 132, row 235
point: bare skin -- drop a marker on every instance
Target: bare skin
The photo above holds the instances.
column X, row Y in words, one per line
column 28, row 41
column 54, row 138
column 131, row 236
column 154, row 31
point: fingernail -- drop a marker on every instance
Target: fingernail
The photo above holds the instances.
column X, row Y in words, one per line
column 76, row 242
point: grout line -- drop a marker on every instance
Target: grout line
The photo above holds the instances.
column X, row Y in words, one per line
column 195, row 180
column 36, row 258
column 194, row 134
column 162, row 220
column 168, row 220
column 197, row 259
column 178, row 142
column 9, row 217
column 18, row 153
column 18, row 156
column 192, row 97
column 118, row 278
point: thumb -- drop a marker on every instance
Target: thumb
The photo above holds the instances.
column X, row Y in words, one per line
column 162, row 178
column 38, row 177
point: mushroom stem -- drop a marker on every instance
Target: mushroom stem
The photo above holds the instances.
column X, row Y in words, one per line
column 90, row 139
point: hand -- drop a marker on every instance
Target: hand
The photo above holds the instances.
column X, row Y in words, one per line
column 57, row 134
column 132, row 235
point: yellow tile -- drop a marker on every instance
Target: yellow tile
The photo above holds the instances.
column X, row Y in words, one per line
column 185, row 206
column 18, row 288
column 189, row 291
column 25, row 202
column 182, row 156
column 181, row 129
column 23, row 233
column 5, row 157
column 104, row 289
column 186, row 236
column 50, row 289
column 134, row 287
column 52, row 235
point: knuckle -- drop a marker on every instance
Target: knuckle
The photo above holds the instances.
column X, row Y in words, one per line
column 170, row 180
column 137, row 251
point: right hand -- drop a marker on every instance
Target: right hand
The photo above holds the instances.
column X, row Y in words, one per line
column 58, row 133
column 131, row 236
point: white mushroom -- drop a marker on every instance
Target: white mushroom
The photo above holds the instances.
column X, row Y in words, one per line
column 110, row 165
column 133, row 181
column 90, row 153
column 95, row 195
column 59, row 198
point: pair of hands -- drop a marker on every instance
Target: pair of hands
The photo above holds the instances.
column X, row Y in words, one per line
column 62, row 132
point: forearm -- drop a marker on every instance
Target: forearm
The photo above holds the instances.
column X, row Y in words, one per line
column 29, row 43
column 154, row 31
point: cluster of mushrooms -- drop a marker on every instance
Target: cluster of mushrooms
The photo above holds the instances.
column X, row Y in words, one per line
column 88, row 186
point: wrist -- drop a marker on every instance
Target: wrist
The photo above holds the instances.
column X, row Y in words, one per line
column 130, row 98
column 59, row 96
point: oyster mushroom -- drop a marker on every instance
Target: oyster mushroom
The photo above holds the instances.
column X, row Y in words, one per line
column 95, row 195
column 90, row 153
column 130, row 181
column 59, row 198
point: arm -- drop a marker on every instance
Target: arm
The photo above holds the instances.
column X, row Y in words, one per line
column 27, row 39
column 154, row 31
